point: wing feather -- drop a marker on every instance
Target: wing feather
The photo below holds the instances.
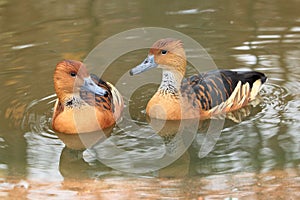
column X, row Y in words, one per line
column 223, row 90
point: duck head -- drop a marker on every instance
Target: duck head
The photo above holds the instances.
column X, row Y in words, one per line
column 167, row 54
column 70, row 77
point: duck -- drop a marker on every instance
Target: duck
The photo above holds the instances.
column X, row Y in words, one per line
column 204, row 95
column 85, row 103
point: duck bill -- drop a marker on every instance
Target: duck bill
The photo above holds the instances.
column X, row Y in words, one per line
column 90, row 86
column 147, row 64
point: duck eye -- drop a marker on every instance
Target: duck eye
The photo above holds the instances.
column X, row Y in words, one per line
column 164, row 52
column 73, row 74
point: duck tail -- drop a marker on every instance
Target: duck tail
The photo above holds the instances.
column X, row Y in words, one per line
column 255, row 80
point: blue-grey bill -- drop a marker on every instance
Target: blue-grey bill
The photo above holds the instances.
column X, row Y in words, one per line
column 147, row 64
column 91, row 86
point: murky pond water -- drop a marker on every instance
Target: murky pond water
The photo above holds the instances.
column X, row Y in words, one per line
column 256, row 158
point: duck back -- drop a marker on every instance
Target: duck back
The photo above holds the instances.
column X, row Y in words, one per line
column 214, row 88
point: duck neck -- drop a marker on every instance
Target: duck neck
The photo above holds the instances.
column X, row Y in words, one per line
column 171, row 82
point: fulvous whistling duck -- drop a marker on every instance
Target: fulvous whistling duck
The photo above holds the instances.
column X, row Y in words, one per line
column 84, row 102
column 202, row 95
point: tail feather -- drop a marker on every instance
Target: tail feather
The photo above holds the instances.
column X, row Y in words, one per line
column 255, row 79
column 251, row 77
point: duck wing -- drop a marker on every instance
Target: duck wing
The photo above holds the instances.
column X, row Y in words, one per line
column 222, row 90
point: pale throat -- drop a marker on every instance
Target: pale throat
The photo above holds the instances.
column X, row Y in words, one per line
column 171, row 82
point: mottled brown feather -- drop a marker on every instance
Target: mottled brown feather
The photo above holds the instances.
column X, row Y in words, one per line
column 214, row 88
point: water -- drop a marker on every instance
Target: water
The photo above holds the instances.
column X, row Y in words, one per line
column 255, row 158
